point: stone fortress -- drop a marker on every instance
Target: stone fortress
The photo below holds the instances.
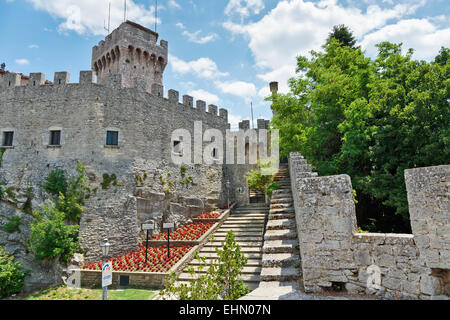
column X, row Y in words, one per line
column 120, row 128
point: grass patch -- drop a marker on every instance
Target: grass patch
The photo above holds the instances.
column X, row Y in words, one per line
column 65, row 293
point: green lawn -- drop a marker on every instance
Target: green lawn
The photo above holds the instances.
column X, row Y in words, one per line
column 64, row 293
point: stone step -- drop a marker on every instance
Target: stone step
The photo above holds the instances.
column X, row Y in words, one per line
column 245, row 218
column 282, row 210
column 278, row 260
column 282, row 200
column 207, row 249
column 280, row 224
column 280, row 246
column 280, row 274
column 281, row 193
column 251, row 211
column 246, row 270
column 276, row 216
column 282, row 205
column 245, row 277
column 287, row 234
column 243, row 244
column 249, row 255
column 250, row 262
column 241, row 238
column 236, row 229
column 252, row 285
column 223, row 233
column 240, row 224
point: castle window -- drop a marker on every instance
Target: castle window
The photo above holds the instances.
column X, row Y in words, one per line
column 8, row 138
column 55, row 138
column 214, row 153
column 178, row 147
column 112, row 138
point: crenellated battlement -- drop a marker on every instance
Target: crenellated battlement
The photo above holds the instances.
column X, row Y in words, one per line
column 9, row 81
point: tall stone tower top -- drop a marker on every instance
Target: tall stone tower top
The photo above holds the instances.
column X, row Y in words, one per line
column 132, row 51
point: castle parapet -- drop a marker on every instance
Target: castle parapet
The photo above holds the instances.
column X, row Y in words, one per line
column 224, row 114
column 11, row 80
column 36, row 79
column 86, row 77
column 157, row 90
column 188, row 100
column 174, row 96
column 201, row 105
column 61, row 78
column 212, row 109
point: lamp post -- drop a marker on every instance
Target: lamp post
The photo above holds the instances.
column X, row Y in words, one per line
column 105, row 250
column 228, row 194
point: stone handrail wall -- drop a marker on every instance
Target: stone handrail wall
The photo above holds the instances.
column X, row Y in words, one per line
column 389, row 265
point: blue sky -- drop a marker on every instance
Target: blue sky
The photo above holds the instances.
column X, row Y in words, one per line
column 222, row 51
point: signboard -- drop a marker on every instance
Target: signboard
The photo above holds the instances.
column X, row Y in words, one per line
column 106, row 274
column 168, row 225
column 148, row 226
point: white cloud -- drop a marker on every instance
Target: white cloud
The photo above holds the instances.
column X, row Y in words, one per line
column 419, row 34
column 234, row 120
column 194, row 37
column 244, row 7
column 33, row 46
column 245, row 90
column 202, row 67
column 180, row 25
column 296, row 27
column 22, row 61
column 174, row 4
column 86, row 16
column 206, row 96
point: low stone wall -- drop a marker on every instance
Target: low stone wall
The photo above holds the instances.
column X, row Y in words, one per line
column 90, row 278
column 389, row 265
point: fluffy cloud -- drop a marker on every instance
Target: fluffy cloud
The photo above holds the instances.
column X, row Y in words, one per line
column 206, row 96
column 202, row 67
column 244, row 7
column 87, row 16
column 22, row 61
column 195, row 36
column 296, row 27
column 245, row 90
column 419, row 34
column 173, row 4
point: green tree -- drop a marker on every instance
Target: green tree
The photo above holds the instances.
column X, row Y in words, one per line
column 56, row 182
column 257, row 180
column 343, row 35
column 220, row 281
column 51, row 237
column 11, row 275
column 371, row 119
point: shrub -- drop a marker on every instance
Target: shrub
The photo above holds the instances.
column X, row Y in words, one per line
column 257, row 180
column 56, row 182
column 51, row 237
column 12, row 225
column 11, row 276
column 269, row 189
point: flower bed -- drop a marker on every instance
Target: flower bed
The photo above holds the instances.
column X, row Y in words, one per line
column 158, row 261
column 192, row 231
column 210, row 215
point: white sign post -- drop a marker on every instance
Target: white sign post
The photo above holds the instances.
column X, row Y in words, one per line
column 106, row 274
column 146, row 227
column 168, row 226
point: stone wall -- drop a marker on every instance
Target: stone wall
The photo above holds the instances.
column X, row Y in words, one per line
column 389, row 265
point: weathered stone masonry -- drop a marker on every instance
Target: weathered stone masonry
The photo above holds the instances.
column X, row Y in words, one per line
column 390, row 265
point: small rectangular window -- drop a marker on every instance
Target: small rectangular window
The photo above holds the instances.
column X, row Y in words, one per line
column 8, row 138
column 55, row 138
column 177, row 147
column 112, row 138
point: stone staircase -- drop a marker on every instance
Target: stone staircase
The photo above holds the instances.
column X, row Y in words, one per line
column 281, row 257
column 247, row 224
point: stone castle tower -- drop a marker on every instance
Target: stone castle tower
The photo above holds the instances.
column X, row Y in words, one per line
column 132, row 51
